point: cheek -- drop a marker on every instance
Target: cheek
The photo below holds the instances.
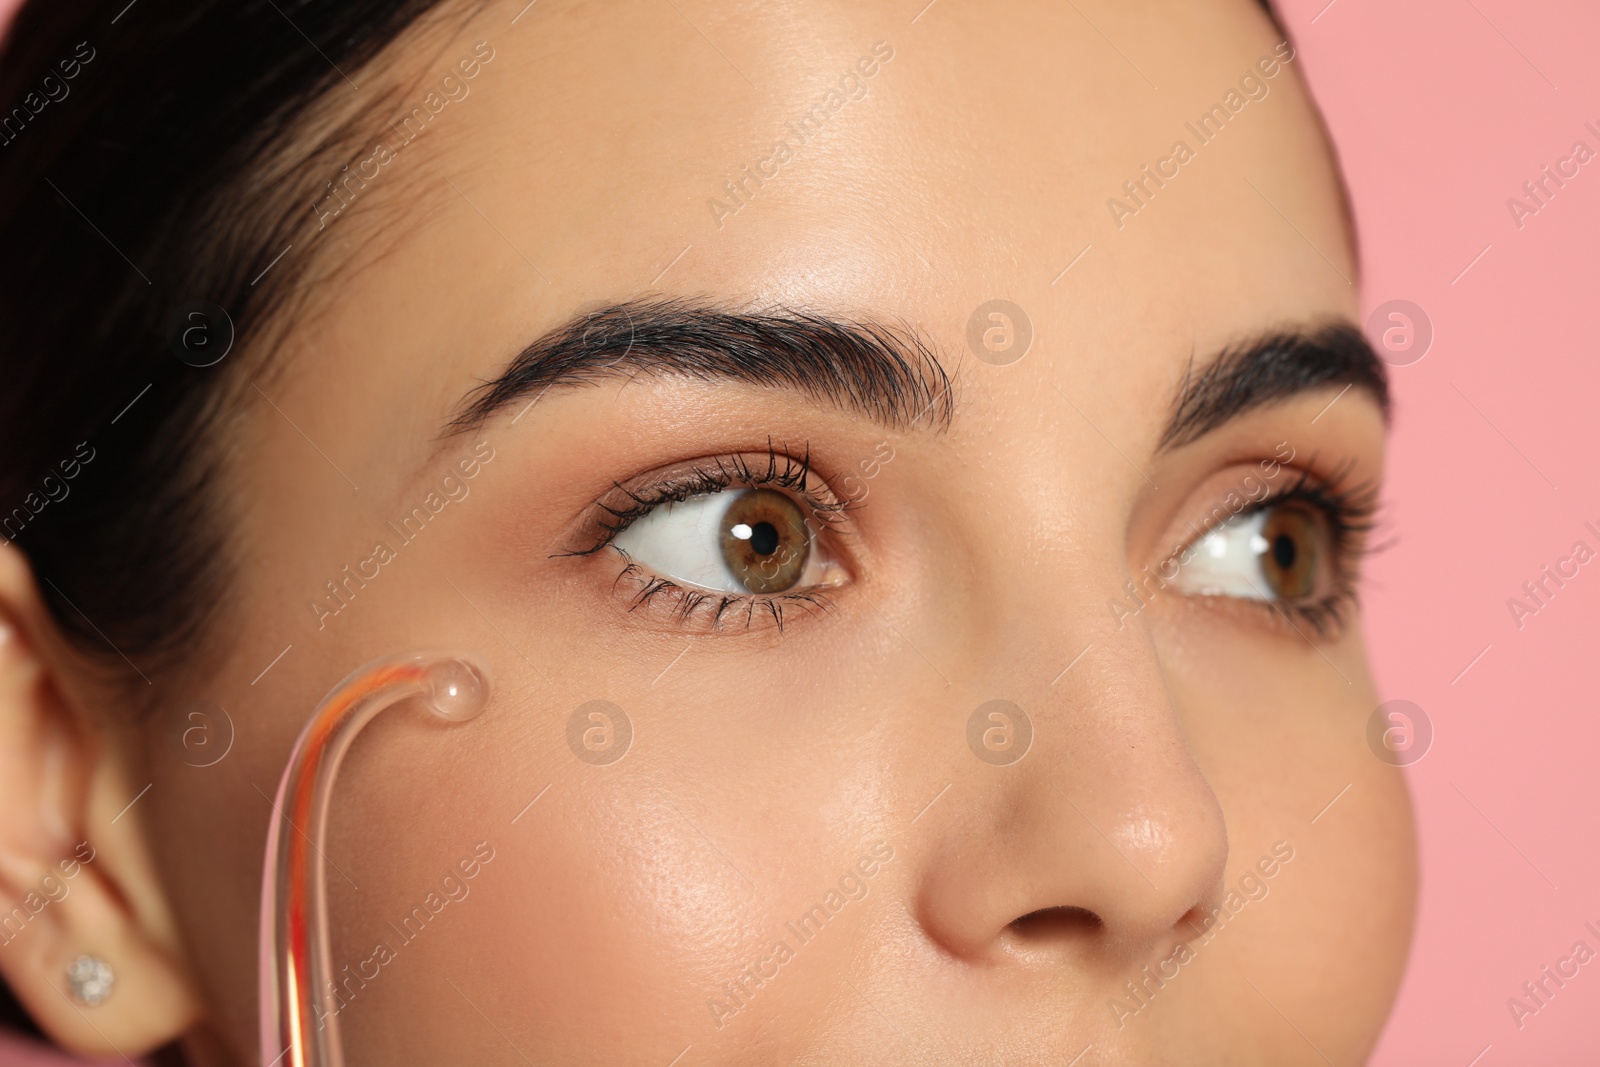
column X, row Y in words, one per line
column 605, row 889
column 620, row 903
column 1339, row 919
column 1279, row 734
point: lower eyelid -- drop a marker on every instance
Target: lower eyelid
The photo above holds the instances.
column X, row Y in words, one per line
column 1325, row 618
column 710, row 610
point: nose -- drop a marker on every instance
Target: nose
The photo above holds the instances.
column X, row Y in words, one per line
column 1104, row 840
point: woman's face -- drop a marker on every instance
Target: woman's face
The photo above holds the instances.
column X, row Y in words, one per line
column 823, row 842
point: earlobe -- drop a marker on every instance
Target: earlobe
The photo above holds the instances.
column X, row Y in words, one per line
column 85, row 941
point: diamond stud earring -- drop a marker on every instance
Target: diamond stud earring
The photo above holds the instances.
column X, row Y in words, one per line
column 90, row 978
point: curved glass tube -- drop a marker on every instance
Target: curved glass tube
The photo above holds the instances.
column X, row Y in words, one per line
column 297, row 1028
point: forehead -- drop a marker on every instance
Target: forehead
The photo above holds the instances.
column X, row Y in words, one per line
column 860, row 159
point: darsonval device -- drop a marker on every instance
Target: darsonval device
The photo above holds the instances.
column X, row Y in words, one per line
column 296, row 962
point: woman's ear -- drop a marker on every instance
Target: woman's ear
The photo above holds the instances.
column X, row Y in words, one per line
column 76, row 881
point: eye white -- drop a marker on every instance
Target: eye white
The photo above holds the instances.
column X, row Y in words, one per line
column 683, row 541
column 1227, row 561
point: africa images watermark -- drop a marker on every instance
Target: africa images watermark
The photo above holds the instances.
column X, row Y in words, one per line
column 852, row 85
column 1142, row 189
column 1251, row 491
column 51, row 90
column 54, row 489
column 1542, row 189
column 1552, row 578
column 452, row 888
column 1537, row 993
column 1252, row 887
column 342, row 590
column 452, row 88
column 852, row 885
column 53, row 888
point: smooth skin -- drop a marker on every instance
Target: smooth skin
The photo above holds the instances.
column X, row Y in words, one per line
column 1185, row 742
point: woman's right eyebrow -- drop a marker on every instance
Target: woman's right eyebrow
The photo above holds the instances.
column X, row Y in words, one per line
column 887, row 374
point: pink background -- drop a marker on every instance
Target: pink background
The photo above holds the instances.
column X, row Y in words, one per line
column 1441, row 109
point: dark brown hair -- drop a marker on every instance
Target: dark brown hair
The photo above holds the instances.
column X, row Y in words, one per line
column 143, row 190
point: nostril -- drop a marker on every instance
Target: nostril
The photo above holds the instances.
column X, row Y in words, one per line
column 1055, row 924
column 1193, row 922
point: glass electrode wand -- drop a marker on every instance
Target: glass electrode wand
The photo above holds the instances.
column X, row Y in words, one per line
column 299, row 1021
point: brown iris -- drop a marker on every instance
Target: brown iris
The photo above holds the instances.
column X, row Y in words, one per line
column 1289, row 561
column 764, row 540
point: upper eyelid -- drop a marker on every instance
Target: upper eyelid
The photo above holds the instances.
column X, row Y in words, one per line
column 780, row 469
column 1329, row 488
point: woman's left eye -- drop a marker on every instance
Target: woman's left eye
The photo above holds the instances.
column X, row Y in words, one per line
column 736, row 542
column 1281, row 552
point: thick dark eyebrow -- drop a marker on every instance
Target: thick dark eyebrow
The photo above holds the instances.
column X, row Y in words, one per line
column 1269, row 368
column 886, row 374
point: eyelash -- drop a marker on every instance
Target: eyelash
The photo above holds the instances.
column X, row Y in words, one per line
column 781, row 470
column 1350, row 513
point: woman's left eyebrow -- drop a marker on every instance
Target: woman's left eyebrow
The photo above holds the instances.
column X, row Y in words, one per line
column 887, row 374
column 1271, row 368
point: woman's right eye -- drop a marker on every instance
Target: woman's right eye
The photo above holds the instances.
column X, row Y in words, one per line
column 735, row 542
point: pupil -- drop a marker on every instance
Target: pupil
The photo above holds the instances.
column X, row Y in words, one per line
column 764, row 538
column 1283, row 551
